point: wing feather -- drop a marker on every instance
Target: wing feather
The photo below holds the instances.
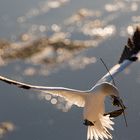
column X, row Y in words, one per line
column 130, row 54
column 73, row 96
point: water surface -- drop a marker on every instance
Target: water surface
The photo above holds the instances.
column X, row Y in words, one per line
column 22, row 22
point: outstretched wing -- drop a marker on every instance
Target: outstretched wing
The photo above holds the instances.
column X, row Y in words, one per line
column 75, row 97
column 130, row 54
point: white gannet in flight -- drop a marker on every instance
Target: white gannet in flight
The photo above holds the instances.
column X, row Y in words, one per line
column 95, row 118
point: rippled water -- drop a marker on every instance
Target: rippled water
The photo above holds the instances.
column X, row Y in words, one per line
column 59, row 43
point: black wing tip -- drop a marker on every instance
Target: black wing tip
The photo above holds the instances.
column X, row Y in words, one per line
column 132, row 47
column 18, row 84
column 24, row 86
column 115, row 113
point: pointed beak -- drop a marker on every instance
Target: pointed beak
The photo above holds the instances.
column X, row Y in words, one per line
column 117, row 101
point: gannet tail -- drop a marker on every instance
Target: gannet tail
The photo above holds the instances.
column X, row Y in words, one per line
column 100, row 129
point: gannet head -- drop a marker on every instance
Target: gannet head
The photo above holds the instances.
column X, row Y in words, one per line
column 107, row 89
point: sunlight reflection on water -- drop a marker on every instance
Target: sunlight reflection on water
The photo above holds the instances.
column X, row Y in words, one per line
column 58, row 43
column 6, row 127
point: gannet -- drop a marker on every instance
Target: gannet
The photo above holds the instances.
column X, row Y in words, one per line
column 98, row 121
